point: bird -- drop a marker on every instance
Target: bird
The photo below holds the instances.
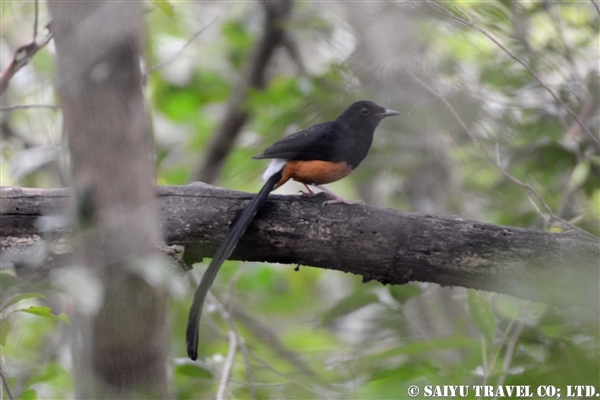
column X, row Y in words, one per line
column 318, row 155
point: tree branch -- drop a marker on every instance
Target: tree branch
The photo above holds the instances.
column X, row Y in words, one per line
column 178, row 52
column 5, row 384
column 26, row 106
column 255, row 77
column 470, row 24
column 552, row 218
column 226, row 315
column 226, row 374
column 387, row 245
column 596, row 6
column 24, row 54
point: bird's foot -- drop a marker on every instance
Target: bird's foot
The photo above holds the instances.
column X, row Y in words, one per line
column 336, row 199
column 340, row 200
column 309, row 191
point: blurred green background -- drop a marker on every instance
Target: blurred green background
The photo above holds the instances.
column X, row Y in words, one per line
column 322, row 334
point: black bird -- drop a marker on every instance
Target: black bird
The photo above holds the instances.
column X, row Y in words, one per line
column 320, row 154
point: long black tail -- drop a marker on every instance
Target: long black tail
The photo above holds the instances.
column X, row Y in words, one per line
column 236, row 231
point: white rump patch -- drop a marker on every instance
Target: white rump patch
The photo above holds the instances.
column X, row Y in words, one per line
column 274, row 167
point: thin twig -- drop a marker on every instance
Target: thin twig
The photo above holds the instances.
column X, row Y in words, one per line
column 228, row 365
column 298, row 382
column 490, row 368
column 23, row 55
column 534, row 193
column 178, row 53
column 517, row 59
column 509, row 352
column 5, row 384
column 596, row 6
column 26, row 106
column 266, row 335
column 537, row 209
column 585, row 113
column 35, row 21
column 510, row 347
column 273, row 341
column 486, row 365
column 226, row 315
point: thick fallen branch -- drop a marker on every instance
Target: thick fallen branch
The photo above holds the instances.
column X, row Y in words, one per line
column 387, row 245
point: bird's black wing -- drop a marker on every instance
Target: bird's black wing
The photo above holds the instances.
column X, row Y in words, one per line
column 325, row 141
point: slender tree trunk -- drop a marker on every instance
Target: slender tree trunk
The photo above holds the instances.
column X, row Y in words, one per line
column 123, row 348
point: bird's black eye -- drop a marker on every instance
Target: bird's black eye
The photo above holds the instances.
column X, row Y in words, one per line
column 365, row 111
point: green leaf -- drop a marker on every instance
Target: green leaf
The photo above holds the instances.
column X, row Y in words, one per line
column 404, row 373
column 556, row 331
column 4, row 330
column 391, row 383
column 52, row 371
column 9, row 281
column 194, row 370
column 482, row 314
column 579, row 175
column 426, row 346
column 507, row 306
column 29, row 394
column 347, row 305
column 239, row 40
column 402, row 293
column 16, row 299
column 164, row 6
column 44, row 312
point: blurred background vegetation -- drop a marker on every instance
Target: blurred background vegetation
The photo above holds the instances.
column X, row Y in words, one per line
column 506, row 78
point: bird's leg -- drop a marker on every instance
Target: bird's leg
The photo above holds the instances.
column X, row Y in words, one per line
column 336, row 199
column 310, row 191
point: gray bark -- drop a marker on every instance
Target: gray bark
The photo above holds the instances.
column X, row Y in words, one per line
column 387, row 245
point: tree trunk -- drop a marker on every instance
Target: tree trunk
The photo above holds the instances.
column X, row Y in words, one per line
column 99, row 45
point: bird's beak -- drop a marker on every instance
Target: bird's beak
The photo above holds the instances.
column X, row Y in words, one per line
column 389, row 113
